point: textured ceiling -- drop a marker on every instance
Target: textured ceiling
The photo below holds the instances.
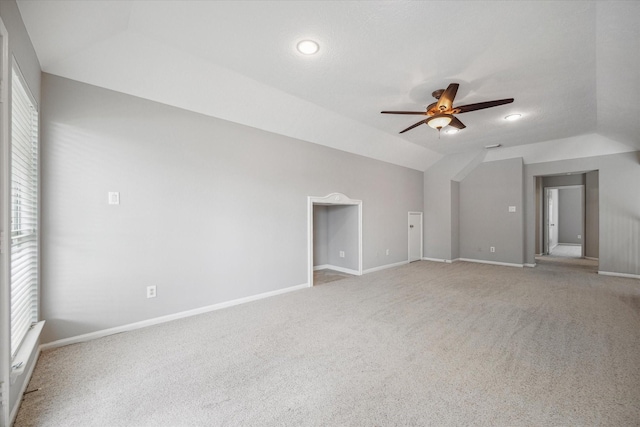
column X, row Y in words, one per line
column 572, row 67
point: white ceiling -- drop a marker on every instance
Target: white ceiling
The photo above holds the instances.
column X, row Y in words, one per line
column 572, row 67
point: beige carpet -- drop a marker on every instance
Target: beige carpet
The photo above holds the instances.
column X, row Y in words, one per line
column 422, row 344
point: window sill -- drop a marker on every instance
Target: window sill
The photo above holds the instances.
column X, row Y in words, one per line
column 29, row 344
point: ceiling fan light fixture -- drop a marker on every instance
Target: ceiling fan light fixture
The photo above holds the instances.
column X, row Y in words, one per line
column 308, row 47
column 439, row 121
column 513, row 117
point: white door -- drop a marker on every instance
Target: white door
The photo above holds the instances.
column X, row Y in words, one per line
column 415, row 236
column 552, row 218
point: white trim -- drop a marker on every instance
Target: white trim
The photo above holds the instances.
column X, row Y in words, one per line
column 448, row 261
column 611, row 273
column 530, row 265
column 409, row 233
column 5, row 227
column 28, row 345
column 569, row 244
column 336, row 268
column 384, row 267
column 23, row 389
column 163, row 319
column 333, row 199
column 592, row 258
column 481, row 261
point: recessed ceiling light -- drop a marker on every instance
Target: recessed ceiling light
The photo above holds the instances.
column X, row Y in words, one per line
column 452, row 131
column 308, row 47
column 512, row 117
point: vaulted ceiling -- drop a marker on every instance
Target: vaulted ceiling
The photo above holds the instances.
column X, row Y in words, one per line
column 573, row 67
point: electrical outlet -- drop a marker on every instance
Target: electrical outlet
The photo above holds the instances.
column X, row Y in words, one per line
column 579, row 236
column 512, row 208
column 151, row 291
column 341, row 254
column 387, row 251
column 492, row 249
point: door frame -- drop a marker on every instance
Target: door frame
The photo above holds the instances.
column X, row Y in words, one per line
column 409, row 235
column 333, row 199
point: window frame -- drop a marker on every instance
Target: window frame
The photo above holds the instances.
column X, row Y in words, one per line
column 16, row 232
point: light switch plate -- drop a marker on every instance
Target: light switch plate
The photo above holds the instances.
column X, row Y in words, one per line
column 114, row 198
column 512, row 208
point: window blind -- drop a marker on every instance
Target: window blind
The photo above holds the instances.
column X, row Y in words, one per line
column 24, row 211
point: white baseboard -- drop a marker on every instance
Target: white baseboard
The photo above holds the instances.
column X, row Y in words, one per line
column 384, row 267
column 336, row 268
column 448, row 261
column 592, row 258
column 163, row 319
column 530, row 265
column 344, row 270
column 611, row 273
column 23, row 389
column 481, row 261
column 570, row 244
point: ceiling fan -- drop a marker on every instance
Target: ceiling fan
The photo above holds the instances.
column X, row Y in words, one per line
column 441, row 113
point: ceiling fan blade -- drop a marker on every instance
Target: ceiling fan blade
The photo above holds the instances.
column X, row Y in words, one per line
column 404, row 112
column 445, row 102
column 413, row 126
column 456, row 123
column 481, row 105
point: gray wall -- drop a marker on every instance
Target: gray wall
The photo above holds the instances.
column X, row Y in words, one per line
column 439, row 218
column 21, row 48
column 619, row 201
column 485, row 220
column 320, row 235
column 455, row 220
column 591, row 229
column 210, row 211
column 335, row 229
column 343, row 236
column 563, row 180
column 570, row 215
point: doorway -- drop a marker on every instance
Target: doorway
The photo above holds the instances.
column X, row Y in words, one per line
column 564, row 222
column 345, row 239
column 415, row 236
